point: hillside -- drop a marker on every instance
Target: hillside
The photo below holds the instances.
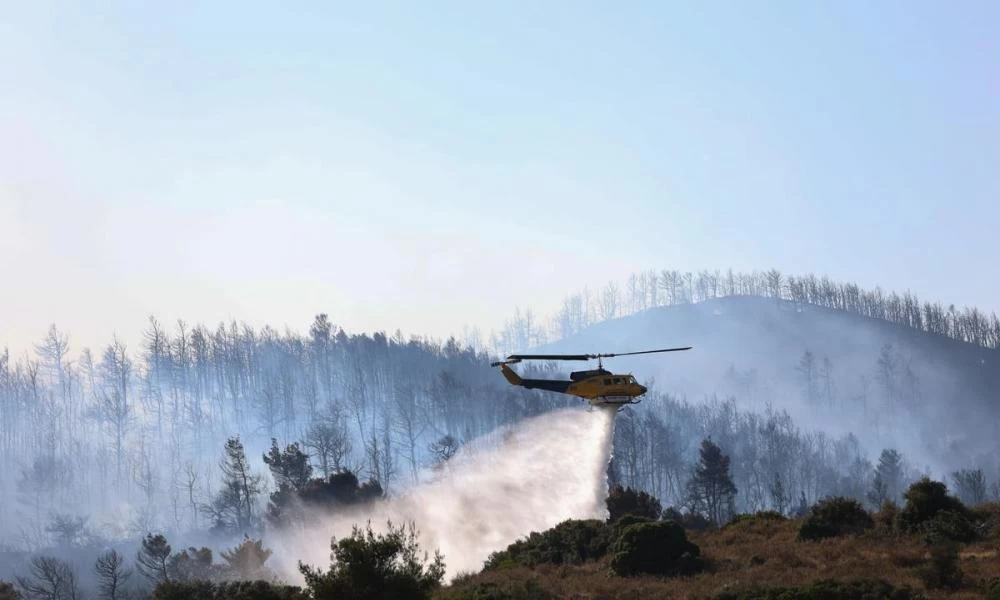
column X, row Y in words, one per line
column 758, row 554
column 892, row 385
column 805, row 401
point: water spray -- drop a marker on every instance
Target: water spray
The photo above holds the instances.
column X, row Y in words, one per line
column 495, row 490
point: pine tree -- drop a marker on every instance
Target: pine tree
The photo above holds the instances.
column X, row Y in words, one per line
column 890, row 473
column 711, row 489
column 151, row 561
column 233, row 507
column 289, row 467
column 878, row 494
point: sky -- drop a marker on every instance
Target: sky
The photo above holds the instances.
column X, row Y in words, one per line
column 430, row 166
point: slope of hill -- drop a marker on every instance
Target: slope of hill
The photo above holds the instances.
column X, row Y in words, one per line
column 929, row 395
column 757, row 558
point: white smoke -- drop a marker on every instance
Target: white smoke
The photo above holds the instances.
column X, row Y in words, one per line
column 497, row 489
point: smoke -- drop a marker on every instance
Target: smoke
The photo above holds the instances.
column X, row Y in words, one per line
column 497, row 489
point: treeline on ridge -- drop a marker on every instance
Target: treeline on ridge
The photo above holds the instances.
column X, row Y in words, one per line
column 667, row 287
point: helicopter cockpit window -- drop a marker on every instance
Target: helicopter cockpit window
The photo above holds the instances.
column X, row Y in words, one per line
column 607, row 382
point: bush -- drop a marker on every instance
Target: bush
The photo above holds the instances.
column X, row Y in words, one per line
column 7, row 591
column 835, row 517
column 339, row 489
column 172, row 589
column 626, row 501
column 670, row 513
column 690, row 520
column 990, row 587
column 763, row 515
column 512, row 589
column 943, row 570
column 865, row 589
column 192, row 565
column 987, row 518
column 232, row 590
column 951, row 526
column 627, row 520
column 885, row 518
column 924, row 500
column 246, row 561
column 369, row 565
column 659, row 548
column 570, row 542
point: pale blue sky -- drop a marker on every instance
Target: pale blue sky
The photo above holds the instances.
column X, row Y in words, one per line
column 432, row 165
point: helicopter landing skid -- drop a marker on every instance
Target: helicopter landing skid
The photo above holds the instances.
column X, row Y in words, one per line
column 620, row 402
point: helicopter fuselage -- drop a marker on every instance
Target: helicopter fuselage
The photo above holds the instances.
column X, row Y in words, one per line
column 597, row 386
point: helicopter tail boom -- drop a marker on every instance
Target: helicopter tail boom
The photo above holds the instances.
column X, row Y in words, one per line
column 510, row 375
column 533, row 384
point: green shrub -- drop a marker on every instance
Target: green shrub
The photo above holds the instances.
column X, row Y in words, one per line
column 987, row 518
column 627, row 501
column 376, row 565
column 192, row 564
column 230, row 590
column 991, row 588
column 173, row 589
column 950, row 525
column 690, row 520
column 620, row 525
column 512, row 589
column 943, row 570
column 835, row 517
column 863, row 589
column 924, row 500
column 657, row 548
column 887, row 515
column 763, row 515
column 570, row 542
column 697, row 522
column 7, row 591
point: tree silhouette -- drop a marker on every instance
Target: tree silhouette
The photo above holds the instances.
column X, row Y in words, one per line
column 112, row 576
column 246, row 561
column 710, row 489
column 152, row 558
column 50, row 578
column 233, row 507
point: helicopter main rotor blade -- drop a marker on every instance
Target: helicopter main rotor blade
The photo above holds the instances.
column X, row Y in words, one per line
column 550, row 357
column 641, row 352
column 518, row 357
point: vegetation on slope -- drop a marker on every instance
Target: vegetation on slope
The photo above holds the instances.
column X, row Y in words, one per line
column 755, row 556
column 763, row 556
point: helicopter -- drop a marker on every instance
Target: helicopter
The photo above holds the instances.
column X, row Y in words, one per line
column 597, row 386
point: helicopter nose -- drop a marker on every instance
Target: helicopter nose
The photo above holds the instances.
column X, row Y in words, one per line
column 642, row 390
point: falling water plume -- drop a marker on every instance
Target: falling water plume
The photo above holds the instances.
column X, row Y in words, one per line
column 526, row 477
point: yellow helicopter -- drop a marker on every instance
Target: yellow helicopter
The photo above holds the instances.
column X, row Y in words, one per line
column 597, row 386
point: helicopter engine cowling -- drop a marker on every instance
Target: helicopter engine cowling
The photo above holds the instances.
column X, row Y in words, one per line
column 581, row 375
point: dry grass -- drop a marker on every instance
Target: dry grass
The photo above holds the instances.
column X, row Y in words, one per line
column 766, row 554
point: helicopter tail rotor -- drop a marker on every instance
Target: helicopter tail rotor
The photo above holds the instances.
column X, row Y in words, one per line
column 509, row 361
